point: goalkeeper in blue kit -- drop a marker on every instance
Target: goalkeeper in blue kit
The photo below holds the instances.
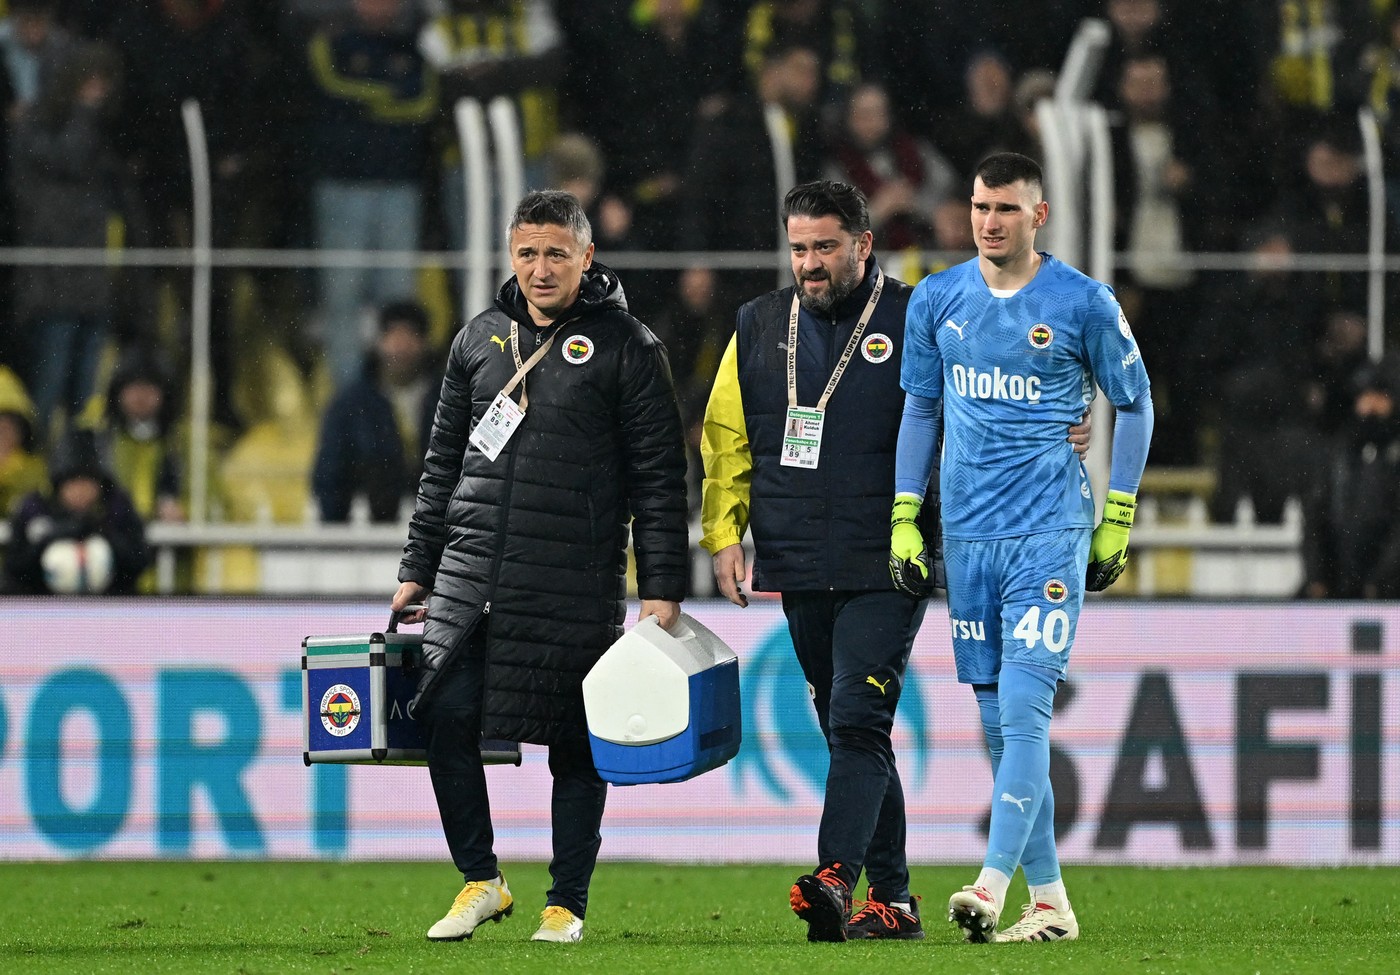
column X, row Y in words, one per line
column 1000, row 352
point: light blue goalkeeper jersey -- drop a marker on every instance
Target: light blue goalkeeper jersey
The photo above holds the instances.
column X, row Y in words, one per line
column 1013, row 374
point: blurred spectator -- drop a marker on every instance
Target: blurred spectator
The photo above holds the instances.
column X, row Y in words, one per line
column 1230, row 86
column 952, row 225
column 137, row 437
column 176, row 51
column 1315, row 43
column 695, row 327
column 62, row 176
column 982, row 122
column 366, row 144
column 575, row 165
column 1340, row 354
column 924, row 54
column 903, row 177
column 22, row 470
column 1031, row 89
column 1331, row 206
column 12, row 343
column 83, row 536
column 660, row 71
column 374, row 433
column 730, row 193
column 1159, row 157
column 1255, row 343
column 1136, row 28
column 31, row 44
column 1351, row 523
column 488, row 48
column 834, row 30
column 1378, row 79
column 1142, row 28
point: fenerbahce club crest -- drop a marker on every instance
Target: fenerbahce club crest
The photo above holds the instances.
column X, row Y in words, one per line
column 340, row 710
column 578, row 349
column 877, row 347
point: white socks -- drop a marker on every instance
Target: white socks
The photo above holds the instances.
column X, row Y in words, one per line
column 1052, row 894
column 995, row 883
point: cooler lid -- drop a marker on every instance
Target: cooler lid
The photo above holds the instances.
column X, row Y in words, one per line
column 638, row 693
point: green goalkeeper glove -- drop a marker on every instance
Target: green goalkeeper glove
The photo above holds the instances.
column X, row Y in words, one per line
column 909, row 560
column 1108, row 551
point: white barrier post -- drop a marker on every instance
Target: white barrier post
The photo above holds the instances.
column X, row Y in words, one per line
column 510, row 163
column 1100, row 225
column 1375, row 250
column 200, row 299
column 1061, row 235
column 1080, row 70
column 471, row 137
column 785, row 178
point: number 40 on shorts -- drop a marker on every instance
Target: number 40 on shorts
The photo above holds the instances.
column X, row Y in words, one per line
column 1054, row 631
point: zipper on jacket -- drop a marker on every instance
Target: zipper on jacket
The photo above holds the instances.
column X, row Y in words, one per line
column 832, row 549
column 501, row 531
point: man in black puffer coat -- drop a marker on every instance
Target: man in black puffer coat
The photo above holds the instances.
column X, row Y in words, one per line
column 519, row 543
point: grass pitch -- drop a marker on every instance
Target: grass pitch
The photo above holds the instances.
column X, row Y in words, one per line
column 256, row 918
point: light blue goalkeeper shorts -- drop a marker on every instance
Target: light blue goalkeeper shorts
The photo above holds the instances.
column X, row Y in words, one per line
column 1015, row 600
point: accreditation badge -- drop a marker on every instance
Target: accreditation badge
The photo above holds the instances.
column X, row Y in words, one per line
column 495, row 428
column 802, row 437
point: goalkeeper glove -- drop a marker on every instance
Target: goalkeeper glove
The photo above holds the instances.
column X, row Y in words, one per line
column 909, row 559
column 1108, row 550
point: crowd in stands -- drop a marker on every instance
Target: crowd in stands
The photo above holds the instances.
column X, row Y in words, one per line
column 330, row 126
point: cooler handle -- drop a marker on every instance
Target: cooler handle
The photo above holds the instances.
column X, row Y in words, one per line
column 406, row 661
column 393, row 626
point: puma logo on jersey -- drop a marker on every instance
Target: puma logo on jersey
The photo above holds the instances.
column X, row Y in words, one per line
column 956, row 327
column 872, row 680
column 1018, row 803
column 499, row 341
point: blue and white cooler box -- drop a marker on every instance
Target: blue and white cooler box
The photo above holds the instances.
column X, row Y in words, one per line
column 355, row 694
column 663, row 706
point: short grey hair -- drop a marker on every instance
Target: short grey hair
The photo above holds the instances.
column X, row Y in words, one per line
column 552, row 207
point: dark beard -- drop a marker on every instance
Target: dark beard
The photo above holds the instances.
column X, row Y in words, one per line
column 836, row 292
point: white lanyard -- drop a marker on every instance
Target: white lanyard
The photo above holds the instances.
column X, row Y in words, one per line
column 802, row 431
column 504, row 415
column 845, row 356
column 522, row 368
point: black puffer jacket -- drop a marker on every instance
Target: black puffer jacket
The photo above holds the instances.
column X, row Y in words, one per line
column 533, row 544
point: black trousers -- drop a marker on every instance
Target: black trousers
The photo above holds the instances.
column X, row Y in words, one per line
column 853, row 648
column 453, row 727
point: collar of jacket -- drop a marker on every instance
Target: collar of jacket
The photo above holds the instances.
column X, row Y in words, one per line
column 854, row 303
column 600, row 290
